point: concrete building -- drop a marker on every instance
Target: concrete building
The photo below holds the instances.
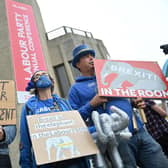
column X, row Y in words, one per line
column 60, row 44
column 56, row 45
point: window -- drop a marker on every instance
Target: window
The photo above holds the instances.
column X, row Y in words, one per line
column 75, row 71
column 63, row 81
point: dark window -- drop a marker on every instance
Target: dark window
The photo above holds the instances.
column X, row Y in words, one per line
column 63, row 81
column 75, row 71
column 61, row 75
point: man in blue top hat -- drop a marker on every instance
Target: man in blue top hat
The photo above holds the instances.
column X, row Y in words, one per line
column 143, row 150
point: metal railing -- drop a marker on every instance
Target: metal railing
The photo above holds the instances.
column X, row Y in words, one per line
column 65, row 30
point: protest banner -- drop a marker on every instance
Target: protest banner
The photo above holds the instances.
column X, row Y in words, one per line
column 130, row 79
column 26, row 49
column 59, row 136
column 7, row 103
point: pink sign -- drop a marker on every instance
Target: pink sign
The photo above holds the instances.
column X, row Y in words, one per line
column 25, row 43
column 130, row 79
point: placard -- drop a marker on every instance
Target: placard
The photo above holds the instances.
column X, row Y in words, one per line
column 130, row 79
column 7, row 102
column 59, row 136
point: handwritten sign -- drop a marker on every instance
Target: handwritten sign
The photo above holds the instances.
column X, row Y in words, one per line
column 59, row 136
column 7, row 103
column 130, row 79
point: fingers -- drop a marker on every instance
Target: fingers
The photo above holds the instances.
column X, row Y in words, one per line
column 1, row 133
column 141, row 105
column 139, row 102
column 98, row 100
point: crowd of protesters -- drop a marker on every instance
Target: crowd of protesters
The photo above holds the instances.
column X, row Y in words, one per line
column 147, row 146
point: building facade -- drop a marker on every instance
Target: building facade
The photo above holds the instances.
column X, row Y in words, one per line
column 56, row 46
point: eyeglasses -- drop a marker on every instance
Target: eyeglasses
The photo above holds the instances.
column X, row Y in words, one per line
column 38, row 74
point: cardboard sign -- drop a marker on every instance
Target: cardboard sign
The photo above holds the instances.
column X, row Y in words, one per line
column 26, row 47
column 7, row 103
column 130, row 79
column 59, row 136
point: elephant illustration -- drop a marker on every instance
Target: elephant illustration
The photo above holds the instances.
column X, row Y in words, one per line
column 60, row 144
column 138, row 77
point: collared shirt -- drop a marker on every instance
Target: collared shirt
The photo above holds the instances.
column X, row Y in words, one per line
column 156, row 124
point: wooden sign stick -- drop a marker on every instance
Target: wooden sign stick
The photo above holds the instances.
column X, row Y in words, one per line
column 142, row 113
column 134, row 122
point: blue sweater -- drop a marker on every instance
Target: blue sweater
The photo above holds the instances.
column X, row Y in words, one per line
column 84, row 90
column 36, row 106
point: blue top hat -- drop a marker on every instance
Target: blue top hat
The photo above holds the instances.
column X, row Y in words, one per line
column 81, row 51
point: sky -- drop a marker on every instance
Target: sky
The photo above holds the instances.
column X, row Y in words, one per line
column 129, row 29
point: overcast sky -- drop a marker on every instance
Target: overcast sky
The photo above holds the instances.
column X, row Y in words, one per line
column 130, row 29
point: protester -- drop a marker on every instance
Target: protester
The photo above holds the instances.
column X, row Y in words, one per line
column 44, row 101
column 156, row 123
column 7, row 135
column 145, row 152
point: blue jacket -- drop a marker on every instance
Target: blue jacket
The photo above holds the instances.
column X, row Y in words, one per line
column 10, row 133
column 84, row 90
column 36, row 106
